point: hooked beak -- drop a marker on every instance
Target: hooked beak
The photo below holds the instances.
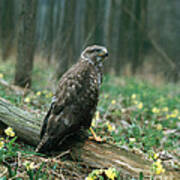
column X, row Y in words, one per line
column 104, row 53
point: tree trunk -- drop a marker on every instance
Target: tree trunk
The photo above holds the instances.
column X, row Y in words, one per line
column 114, row 25
column 49, row 35
column 124, row 35
column 79, row 29
column 139, row 31
column 26, row 43
column 7, row 28
column 92, row 155
column 65, row 54
column 107, row 31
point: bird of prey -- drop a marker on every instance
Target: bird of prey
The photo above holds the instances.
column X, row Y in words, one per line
column 74, row 103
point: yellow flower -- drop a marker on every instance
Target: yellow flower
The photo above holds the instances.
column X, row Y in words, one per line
column 133, row 96
column 155, row 110
column 157, row 167
column 9, row 132
column 89, row 178
column 29, row 165
column 110, row 127
column 155, row 156
column 165, row 109
column 94, row 174
column 27, row 100
column 176, row 112
column 173, row 115
column 132, row 140
column 1, row 144
column 135, row 102
column 38, row 93
column 159, row 127
column 113, row 102
column 110, row 173
column 140, row 105
column 48, row 95
column 1, row 75
column 160, row 170
column 106, row 96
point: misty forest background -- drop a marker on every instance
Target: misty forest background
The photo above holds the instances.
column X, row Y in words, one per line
column 142, row 36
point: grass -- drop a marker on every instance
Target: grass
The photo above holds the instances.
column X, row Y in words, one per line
column 149, row 112
column 131, row 113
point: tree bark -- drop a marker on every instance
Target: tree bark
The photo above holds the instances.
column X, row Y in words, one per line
column 92, row 154
column 26, row 43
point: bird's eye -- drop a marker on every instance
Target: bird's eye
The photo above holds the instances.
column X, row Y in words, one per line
column 98, row 50
column 95, row 50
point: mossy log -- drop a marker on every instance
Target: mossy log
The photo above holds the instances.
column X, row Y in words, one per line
column 92, row 154
column 26, row 125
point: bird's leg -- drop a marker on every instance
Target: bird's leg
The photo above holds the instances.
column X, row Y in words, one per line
column 95, row 137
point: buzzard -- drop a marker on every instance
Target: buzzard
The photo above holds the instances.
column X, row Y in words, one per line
column 75, row 100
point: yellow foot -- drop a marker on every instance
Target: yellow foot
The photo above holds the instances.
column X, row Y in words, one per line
column 95, row 137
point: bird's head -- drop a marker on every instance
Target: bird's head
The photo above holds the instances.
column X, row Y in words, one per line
column 94, row 54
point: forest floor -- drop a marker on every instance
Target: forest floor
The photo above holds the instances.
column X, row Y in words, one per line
column 132, row 114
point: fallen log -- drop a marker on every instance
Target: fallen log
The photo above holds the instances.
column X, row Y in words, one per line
column 16, row 89
column 92, row 154
column 26, row 125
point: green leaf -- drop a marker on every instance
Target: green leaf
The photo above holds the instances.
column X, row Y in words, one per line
column 141, row 177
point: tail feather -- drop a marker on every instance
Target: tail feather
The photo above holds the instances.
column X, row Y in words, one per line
column 45, row 122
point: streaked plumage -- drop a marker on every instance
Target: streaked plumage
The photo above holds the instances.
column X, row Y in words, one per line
column 75, row 100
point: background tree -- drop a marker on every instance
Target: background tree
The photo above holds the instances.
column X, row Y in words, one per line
column 139, row 31
column 65, row 46
column 7, row 27
column 49, row 31
column 26, row 43
column 125, row 35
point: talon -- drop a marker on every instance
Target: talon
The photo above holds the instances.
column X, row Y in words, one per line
column 95, row 137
